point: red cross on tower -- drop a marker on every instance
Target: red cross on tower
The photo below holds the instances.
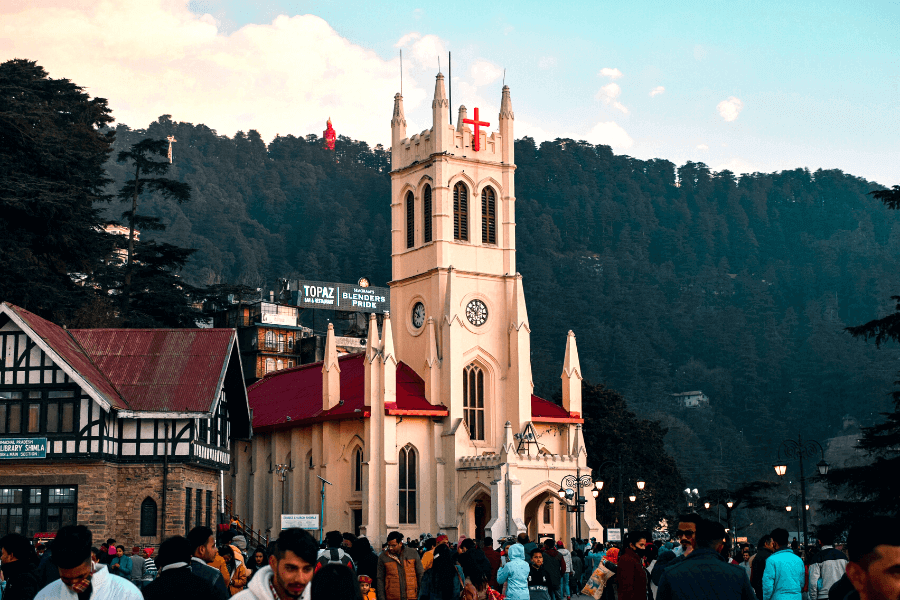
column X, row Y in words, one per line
column 476, row 137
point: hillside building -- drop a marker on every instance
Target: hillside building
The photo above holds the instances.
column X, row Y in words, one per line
column 695, row 399
column 127, row 431
column 435, row 427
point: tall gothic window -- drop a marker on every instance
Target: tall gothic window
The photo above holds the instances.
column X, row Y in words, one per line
column 357, row 471
column 426, row 213
column 407, row 465
column 488, row 216
column 473, row 401
column 410, row 220
column 460, row 212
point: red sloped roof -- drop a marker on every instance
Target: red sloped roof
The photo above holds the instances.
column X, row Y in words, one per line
column 294, row 396
column 167, row 370
column 544, row 411
column 60, row 342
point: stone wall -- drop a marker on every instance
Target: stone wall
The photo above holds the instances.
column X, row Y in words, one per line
column 109, row 495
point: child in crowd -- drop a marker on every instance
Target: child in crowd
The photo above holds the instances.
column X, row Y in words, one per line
column 538, row 586
column 365, row 587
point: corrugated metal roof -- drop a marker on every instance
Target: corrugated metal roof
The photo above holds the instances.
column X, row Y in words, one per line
column 60, row 342
column 549, row 412
column 294, row 396
column 169, row 370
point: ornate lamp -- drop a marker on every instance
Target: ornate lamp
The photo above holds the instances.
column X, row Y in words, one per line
column 611, row 499
column 780, row 470
column 641, row 484
column 823, row 467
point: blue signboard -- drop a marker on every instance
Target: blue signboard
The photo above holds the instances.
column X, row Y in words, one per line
column 23, row 448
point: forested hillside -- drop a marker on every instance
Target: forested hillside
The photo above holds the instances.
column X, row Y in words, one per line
column 673, row 278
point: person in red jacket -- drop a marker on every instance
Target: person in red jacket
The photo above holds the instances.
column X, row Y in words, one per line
column 631, row 575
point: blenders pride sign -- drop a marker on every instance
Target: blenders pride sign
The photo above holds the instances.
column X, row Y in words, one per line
column 340, row 296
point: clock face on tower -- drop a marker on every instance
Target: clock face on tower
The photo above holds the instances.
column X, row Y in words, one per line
column 418, row 315
column 476, row 312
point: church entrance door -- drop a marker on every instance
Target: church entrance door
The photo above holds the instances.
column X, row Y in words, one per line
column 543, row 517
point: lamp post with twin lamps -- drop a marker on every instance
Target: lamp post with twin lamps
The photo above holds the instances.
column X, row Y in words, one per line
column 569, row 491
column 801, row 449
column 598, row 485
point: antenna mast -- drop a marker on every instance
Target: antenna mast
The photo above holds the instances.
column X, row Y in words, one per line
column 450, row 80
column 401, row 72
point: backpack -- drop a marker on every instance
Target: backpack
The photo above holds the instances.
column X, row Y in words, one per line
column 333, row 556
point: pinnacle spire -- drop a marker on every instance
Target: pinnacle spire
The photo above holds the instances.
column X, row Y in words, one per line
column 331, row 373
column 387, row 341
column 506, row 111
column 372, row 340
column 440, row 93
column 571, row 365
column 399, row 117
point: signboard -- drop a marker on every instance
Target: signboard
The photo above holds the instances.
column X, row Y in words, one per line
column 340, row 296
column 741, row 540
column 274, row 319
column 23, row 447
column 614, row 534
column 300, row 521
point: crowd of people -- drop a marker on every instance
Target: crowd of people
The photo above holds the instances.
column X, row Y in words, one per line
column 695, row 566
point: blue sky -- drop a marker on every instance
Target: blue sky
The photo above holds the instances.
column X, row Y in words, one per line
column 747, row 86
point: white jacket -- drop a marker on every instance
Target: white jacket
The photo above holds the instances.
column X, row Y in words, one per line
column 828, row 565
column 567, row 556
column 104, row 587
column 258, row 588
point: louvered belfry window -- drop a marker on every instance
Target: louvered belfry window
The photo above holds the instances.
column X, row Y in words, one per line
column 460, row 212
column 426, row 213
column 488, row 216
column 410, row 220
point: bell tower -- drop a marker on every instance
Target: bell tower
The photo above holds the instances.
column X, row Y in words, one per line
column 456, row 299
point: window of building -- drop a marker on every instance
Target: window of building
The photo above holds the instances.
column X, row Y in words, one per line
column 410, row 220
column 290, row 342
column 290, row 364
column 357, row 472
column 279, row 364
column 187, row 510
column 407, row 464
column 488, row 216
column 270, row 339
column 460, row 212
column 31, row 509
column 473, row 401
column 209, row 508
column 148, row 517
column 426, row 213
column 37, row 411
column 198, row 515
column 270, row 365
column 281, row 342
column 547, row 512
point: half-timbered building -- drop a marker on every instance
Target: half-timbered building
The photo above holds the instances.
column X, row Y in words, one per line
column 127, row 431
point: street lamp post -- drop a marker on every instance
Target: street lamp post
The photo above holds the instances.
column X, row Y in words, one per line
column 598, row 485
column 791, row 499
column 801, row 449
column 281, row 470
column 570, row 490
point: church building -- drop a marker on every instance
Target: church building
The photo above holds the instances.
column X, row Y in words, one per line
column 435, row 427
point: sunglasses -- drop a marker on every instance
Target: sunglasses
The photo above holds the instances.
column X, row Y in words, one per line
column 685, row 533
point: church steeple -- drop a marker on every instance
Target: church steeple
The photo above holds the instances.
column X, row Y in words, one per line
column 506, row 127
column 440, row 113
column 398, row 129
column 571, row 377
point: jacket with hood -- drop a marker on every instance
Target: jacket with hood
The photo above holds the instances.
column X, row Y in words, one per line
column 829, row 565
column 259, row 589
column 104, row 586
column 554, row 565
column 757, row 568
column 21, row 580
column 398, row 576
column 240, row 575
column 567, row 557
column 515, row 574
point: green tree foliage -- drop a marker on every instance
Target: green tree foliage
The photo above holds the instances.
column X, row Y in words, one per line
column 53, row 150
column 614, row 433
column 873, row 488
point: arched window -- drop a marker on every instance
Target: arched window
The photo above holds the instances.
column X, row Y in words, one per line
column 460, row 212
column 270, row 365
column 426, row 213
column 290, row 342
column 488, row 216
column 407, row 465
column 473, row 401
column 148, row 517
column 547, row 512
column 357, row 470
column 281, row 342
column 280, row 364
column 410, row 220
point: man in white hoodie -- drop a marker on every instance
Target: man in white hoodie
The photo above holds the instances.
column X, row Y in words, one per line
column 291, row 568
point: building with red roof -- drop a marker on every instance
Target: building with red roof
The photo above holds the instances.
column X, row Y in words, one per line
column 127, row 431
column 435, row 427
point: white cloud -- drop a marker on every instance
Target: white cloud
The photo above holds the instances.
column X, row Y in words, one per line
column 484, row 72
column 611, row 73
column 610, row 133
column 423, row 50
column 730, row 109
column 156, row 57
column 702, row 147
column 657, row 91
column 608, row 94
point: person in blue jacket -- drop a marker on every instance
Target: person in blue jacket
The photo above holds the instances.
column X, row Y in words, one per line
column 121, row 564
column 785, row 574
column 515, row 574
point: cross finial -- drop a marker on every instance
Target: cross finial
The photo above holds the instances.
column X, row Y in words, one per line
column 476, row 137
